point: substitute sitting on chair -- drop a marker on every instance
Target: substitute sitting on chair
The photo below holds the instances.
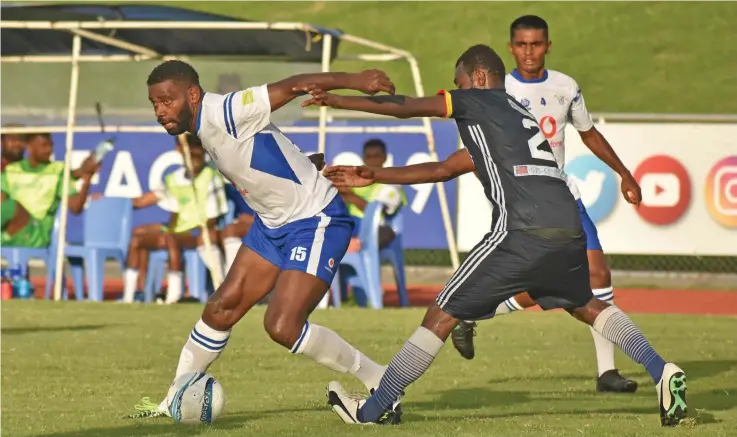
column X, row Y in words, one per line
column 177, row 194
column 32, row 189
column 391, row 196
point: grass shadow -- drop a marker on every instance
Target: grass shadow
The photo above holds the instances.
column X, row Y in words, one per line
column 706, row 368
column 522, row 378
column 34, row 329
column 701, row 403
column 542, row 412
column 472, row 398
column 694, row 370
column 165, row 426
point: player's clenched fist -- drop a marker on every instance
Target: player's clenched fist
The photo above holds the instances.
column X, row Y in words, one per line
column 631, row 190
column 349, row 176
column 371, row 82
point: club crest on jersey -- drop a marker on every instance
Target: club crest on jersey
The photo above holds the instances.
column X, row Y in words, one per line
column 331, row 263
column 526, row 104
column 561, row 100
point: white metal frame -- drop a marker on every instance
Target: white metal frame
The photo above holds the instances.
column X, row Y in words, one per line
column 81, row 29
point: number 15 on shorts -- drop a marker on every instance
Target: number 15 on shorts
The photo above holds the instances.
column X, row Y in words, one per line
column 298, row 253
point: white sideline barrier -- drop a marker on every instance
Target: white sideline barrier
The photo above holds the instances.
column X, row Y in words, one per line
column 691, row 215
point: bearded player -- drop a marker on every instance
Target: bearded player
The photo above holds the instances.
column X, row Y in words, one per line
column 556, row 100
column 301, row 228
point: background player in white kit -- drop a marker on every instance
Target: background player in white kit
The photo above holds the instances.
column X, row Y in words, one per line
column 555, row 100
column 302, row 227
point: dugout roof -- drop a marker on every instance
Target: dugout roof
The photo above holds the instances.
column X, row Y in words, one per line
column 85, row 36
column 303, row 45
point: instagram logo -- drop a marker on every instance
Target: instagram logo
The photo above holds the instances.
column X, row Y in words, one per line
column 721, row 192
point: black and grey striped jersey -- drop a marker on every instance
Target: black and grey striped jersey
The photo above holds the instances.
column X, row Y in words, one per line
column 513, row 160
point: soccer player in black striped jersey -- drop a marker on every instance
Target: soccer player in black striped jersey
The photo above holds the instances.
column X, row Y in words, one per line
column 536, row 242
column 556, row 101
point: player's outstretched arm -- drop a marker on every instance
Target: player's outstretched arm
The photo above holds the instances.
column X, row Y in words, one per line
column 367, row 81
column 599, row 146
column 457, row 164
column 396, row 106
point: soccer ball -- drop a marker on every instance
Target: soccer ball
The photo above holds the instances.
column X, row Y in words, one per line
column 196, row 397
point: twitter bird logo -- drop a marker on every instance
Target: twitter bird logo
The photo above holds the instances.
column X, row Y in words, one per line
column 597, row 184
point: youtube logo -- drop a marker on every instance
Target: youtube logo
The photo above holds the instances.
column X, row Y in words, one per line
column 660, row 189
column 666, row 189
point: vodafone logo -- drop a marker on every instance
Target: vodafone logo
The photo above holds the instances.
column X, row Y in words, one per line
column 548, row 126
column 666, row 189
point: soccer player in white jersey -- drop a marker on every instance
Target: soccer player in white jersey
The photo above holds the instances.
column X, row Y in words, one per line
column 302, row 227
column 555, row 99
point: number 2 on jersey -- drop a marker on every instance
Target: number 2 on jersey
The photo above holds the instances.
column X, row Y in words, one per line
column 528, row 121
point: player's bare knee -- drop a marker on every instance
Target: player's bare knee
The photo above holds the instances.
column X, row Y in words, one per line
column 589, row 312
column 282, row 328
column 222, row 310
column 439, row 322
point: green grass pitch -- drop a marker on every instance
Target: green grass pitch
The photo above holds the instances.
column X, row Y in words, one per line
column 73, row 369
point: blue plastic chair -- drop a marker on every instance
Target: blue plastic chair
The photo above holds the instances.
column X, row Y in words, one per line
column 394, row 254
column 364, row 264
column 108, row 222
column 194, row 268
column 20, row 256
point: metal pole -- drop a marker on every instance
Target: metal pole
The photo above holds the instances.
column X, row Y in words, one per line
column 216, row 269
column 76, row 48
column 445, row 212
column 326, row 51
column 327, row 45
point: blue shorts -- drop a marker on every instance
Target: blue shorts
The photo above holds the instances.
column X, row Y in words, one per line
column 314, row 245
column 592, row 236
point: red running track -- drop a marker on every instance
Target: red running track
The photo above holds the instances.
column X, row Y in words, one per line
column 645, row 301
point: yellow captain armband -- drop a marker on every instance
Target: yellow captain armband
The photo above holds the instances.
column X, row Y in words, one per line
column 448, row 102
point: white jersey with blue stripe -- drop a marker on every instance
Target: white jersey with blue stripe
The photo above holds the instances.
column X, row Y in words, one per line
column 273, row 176
column 555, row 100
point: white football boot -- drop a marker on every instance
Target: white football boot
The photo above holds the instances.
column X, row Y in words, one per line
column 672, row 395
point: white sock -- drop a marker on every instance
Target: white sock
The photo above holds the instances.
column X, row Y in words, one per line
column 218, row 258
column 173, row 287
column 508, row 306
column 604, row 347
column 202, row 348
column 327, row 348
column 231, row 245
column 130, row 281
